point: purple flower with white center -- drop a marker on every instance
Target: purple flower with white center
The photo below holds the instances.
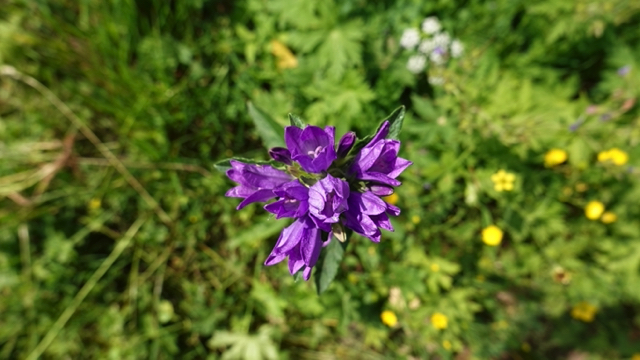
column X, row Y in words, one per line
column 327, row 200
column 312, row 148
column 294, row 201
column 324, row 188
column 256, row 182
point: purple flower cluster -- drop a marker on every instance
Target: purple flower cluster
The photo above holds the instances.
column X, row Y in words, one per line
column 324, row 188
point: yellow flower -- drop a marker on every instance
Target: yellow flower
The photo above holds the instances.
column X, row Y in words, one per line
column 389, row 318
column 492, row 235
column 439, row 321
column 503, row 181
column 584, row 311
column 609, row 217
column 94, row 204
column 614, row 155
column 582, row 187
column 554, row 157
column 594, row 210
column 446, row 344
column 286, row 60
column 434, row 267
column 415, row 219
column 635, row 356
column 391, row 199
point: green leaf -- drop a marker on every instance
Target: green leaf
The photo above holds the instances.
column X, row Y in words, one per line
column 296, row 121
column 395, row 123
column 327, row 267
column 395, row 120
column 269, row 130
column 224, row 165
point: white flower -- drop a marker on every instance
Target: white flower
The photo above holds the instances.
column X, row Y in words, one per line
column 436, row 80
column 456, row 48
column 427, row 46
column 410, row 38
column 417, row 63
column 437, row 57
column 442, row 39
column 431, row 25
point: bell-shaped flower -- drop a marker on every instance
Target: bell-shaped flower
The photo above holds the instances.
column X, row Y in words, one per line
column 301, row 242
column 367, row 213
column 327, row 200
column 255, row 182
column 313, row 147
column 378, row 161
column 293, row 200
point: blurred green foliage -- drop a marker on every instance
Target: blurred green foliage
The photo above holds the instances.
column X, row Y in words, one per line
column 91, row 267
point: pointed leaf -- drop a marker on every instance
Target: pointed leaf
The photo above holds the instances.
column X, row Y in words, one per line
column 270, row 131
column 296, row 121
column 224, row 165
column 327, row 267
column 395, row 121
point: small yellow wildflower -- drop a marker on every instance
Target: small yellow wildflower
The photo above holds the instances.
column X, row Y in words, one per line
column 584, row 311
column 635, row 356
column 608, row 217
column 415, row 219
column 614, row 155
column 492, row 235
column 594, row 210
column 554, row 157
column 286, row 59
column 439, row 321
column 434, row 267
column 389, row 318
column 446, row 345
column 391, row 199
column 94, row 204
column 503, row 181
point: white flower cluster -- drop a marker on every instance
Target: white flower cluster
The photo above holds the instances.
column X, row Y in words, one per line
column 434, row 45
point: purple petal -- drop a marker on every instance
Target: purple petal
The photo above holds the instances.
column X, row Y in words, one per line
column 310, row 250
column 293, row 139
column 366, row 158
column 399, row 166
column 393, row 210
column 280, row 154
column 307, row 273
column 274, row 258
column 381, row 134
column 328, row 199
column 346, row 143
column 291, row 236
column 381, row 190
column 382, row 221
column 378, row 177
column 366, row 203
column 258, row 196
column 295, row 260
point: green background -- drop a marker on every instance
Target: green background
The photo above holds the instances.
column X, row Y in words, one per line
column 121, row 244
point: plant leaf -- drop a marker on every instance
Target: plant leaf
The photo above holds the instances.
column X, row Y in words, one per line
column 296, row 121
column 224, row 165
column 328, row 266
column 270, row 131
column 395, row 122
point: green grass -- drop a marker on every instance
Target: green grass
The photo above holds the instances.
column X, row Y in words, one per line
column 116, row 239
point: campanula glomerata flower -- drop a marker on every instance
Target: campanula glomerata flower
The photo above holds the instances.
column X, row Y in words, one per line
column 324, row 187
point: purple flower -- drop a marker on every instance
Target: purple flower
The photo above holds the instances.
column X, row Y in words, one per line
column 312, row 148
column 322, row 196
column 346, row 143
column 293, row 200
column 368, row 213
column 256, row 182
column 327, row 200
column 301, row 243
column 378, row 161
column 281, row 155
